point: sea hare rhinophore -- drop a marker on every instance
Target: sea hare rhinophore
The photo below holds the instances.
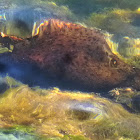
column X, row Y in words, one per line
column 75, row 54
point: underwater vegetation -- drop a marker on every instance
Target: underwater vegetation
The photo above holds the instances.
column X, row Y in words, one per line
column 53, row 113
column 119, row 22
column 129, row 47
column 123, row 4
column 19, row 19
column 84, row 8
column 90, row 45
column 18, row 132
column 105, row 15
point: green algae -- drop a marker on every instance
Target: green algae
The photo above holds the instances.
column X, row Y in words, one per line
column 74, row 137
column 3, row 50
column 116, row 21
column 21, row 24
column 66, row 137
column 129, row 47
column 125, row 4
column 83, row 9
column 134, row 61
column 79, row 7
column 19, row 132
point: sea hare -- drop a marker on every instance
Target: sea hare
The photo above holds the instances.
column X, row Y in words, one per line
column 75, row 54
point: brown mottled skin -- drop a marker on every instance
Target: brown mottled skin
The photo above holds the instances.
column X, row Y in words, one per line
column 77, row 54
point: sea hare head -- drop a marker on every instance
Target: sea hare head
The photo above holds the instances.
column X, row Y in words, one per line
column 76, row 54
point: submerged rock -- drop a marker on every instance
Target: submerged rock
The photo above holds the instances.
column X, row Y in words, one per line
column 128, row 97
column 136, row 103
column 74, row 54
column 85, row 110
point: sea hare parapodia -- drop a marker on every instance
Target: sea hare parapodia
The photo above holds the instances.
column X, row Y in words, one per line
column 76, row 54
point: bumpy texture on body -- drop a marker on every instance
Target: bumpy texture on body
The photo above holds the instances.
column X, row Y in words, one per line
column 76, row 54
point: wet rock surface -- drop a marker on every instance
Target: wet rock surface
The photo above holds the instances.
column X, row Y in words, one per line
column 136, row 103
column 128, row 97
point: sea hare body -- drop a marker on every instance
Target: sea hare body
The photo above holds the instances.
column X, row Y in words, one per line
column 76, row 54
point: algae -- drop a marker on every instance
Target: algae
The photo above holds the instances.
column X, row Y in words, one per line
column 115, row 21
column 63, row 115
column 127, row 49
column 20, row 18
column 56, row 114
column 18, row 132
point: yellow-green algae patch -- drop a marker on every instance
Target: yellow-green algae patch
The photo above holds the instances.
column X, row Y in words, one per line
column 116, row 21
column 66, row 115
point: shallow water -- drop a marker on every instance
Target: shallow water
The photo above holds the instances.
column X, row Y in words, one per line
column 27, row 95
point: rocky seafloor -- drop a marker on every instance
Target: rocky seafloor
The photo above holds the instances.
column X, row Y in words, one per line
column 34, row 106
